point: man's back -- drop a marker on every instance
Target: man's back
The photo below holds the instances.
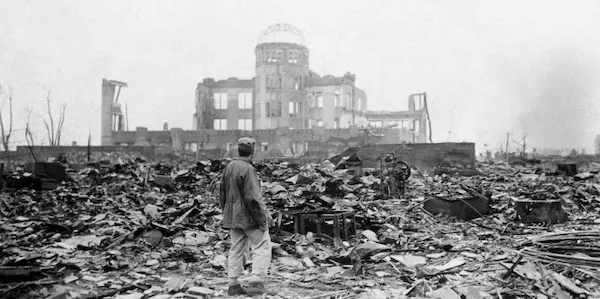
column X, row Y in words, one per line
column 240, row 195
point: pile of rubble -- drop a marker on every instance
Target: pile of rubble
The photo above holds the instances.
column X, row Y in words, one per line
column 136, row 229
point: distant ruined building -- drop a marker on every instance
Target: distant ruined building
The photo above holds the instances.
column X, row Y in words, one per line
column 288, row 108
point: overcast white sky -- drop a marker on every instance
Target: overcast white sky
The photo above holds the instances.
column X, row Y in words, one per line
column 488, row 66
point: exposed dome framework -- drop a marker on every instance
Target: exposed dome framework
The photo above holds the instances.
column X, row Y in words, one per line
column 282, row 33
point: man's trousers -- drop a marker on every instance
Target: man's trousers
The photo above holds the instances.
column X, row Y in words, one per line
column 260, row 244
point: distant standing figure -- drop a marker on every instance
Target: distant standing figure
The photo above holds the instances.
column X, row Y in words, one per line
column 245, row 215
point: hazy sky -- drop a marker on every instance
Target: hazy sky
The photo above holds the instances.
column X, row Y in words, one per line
column 488, row 67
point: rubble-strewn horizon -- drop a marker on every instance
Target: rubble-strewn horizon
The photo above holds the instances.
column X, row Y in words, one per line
column 132, row 228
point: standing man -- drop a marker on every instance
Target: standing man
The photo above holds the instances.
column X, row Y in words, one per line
column 245, row 215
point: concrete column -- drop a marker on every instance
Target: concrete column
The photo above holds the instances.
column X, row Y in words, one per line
column 141, row 136
column 108, row 93
column 176, row 139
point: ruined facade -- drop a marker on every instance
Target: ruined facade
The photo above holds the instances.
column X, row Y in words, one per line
column 335, row 102
column 229, row 107
column 413, row 124
column 288, row 108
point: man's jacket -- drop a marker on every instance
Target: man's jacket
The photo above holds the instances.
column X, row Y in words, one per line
column 241, row 196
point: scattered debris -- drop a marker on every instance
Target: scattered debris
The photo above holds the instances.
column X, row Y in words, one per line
column 133, row 229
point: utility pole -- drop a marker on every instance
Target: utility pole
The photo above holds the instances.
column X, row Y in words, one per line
column 353, row 106
column 507, row 137
column 89, row 147
column 126, row 116
column 428, row 119
column 524, row 144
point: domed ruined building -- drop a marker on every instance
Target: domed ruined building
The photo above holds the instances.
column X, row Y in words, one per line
column 287, row 107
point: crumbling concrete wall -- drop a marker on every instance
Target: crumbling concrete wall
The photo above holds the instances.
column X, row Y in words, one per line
column 319, row 144
column 42, row 153
column 282, row 139
column 316, row 143
column 424, row 155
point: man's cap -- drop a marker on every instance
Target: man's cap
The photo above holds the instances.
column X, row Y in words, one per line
column 246, row 143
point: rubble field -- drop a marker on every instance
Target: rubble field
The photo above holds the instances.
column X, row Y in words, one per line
column 134, row 229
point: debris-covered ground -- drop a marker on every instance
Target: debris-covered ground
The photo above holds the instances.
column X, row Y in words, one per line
column 134, row 229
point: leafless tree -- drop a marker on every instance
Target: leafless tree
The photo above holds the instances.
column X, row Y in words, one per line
column 29, row 136
column 53, row 129
column 524, row 144
column 6, row 128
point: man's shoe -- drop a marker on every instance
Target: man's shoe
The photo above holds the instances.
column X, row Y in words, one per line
column 258, row 288
column 235, row 290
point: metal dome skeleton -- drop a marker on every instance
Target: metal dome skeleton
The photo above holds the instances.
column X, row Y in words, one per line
column 282, row 33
